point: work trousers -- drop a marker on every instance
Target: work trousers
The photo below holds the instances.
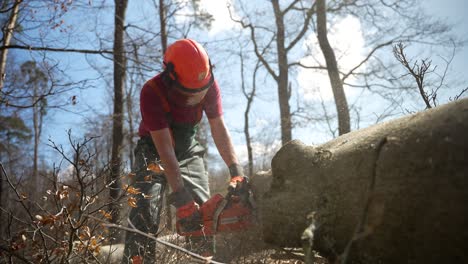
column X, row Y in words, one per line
column 146, row 215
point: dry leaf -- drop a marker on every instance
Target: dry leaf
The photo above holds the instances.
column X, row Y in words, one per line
column 106, row 214
column 131, row 175
column 63, row 195
column 133, row 190
column 132, row 201
column 155, row 167
column 87, row 231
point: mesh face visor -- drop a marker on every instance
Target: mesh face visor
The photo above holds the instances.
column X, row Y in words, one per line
column 171, row 72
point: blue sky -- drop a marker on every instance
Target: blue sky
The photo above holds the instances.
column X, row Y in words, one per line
column 454, row 11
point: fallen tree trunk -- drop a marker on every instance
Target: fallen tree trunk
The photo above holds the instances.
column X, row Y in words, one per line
column 396, row 192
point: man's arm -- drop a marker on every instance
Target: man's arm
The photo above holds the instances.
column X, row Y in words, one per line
column 163, row 141
column 223, row 141
column 238, row 183
column 188, row 212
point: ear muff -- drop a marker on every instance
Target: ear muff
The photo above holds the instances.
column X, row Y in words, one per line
column 169, row 70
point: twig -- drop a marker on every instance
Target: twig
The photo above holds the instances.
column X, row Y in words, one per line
column 134, row 230
column 417, row 71
column 460, row 94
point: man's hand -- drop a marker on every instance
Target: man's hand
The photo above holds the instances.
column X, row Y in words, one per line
column 188, row 217
column 238, row 185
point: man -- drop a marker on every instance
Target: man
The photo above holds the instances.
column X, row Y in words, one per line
column 172, row 104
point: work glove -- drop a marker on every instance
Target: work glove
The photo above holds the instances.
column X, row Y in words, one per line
column 188, row 217
column 239, row 184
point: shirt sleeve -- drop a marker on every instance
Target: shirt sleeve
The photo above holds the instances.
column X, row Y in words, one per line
column 212, row 105
column 152, row 111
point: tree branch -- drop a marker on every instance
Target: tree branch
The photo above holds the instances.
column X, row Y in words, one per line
column 257, row 52
column 85, row 51
column 367, row 58
column 417, row 71
column 286, row 10
column 304, row 28
column 308, row 67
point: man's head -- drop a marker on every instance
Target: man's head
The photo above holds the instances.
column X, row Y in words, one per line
column 187, row 64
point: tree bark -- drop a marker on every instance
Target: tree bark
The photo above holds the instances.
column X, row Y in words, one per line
column 332, row 67
column 283, row 74
column 117, row 126
column 36, row 129
column 391, row 193
column 163, row 25
column 131, row 127
column 1, row 195
column 162, row 21
column 7, row 34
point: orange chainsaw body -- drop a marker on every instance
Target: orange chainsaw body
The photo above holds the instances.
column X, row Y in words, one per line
column 222, row 215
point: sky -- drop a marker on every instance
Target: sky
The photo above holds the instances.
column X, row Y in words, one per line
column 454, row 11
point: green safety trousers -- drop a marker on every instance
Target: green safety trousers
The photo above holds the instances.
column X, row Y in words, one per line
column 146, row 215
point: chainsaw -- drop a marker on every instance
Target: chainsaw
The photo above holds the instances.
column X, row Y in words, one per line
column 224, row 214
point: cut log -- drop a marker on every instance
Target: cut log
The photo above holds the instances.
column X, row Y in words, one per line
column 398, row 190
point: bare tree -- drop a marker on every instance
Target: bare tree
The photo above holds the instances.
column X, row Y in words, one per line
column 420, row 71
column 249, row 96
column 117, row 124
column 285, row 41
column 332, row 69
column 37, row 82
column 417, row 71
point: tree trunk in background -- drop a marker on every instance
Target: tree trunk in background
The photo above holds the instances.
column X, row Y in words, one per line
column 283, row 92
column 250, row 97
column 281, row 60
column 36, row 136
column 394, row 192
column 1, row 195
column 117, row 127
column 332, row 67
column 7, row 34
column 162, row 22
column 131, row 127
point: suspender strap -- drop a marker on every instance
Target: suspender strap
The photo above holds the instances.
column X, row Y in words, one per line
column 165, row 103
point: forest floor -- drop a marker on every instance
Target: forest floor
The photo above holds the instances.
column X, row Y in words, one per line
column 239, row 248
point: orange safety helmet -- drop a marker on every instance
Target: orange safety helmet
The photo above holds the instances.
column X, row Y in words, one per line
column 187, row 63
